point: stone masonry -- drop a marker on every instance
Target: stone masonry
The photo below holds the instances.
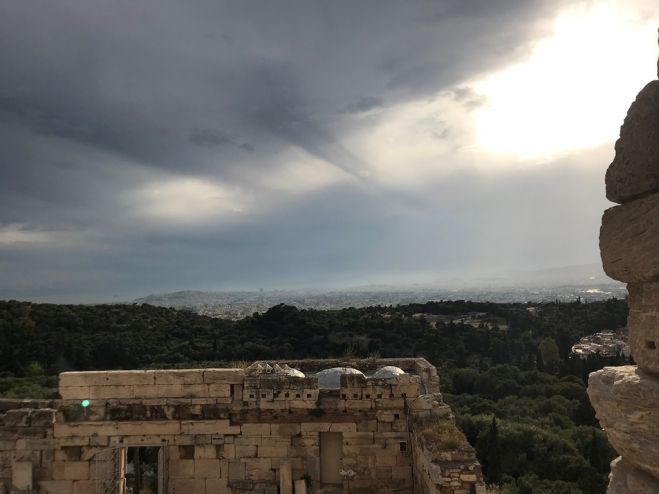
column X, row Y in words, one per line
column 626, row 399
column 266, row 429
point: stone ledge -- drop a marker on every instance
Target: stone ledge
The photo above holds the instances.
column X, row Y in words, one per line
column 629, row 241
column 635, row 168
column 625, row 479
column 626, row 400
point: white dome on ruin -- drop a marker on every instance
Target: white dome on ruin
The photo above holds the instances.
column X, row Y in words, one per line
column 388, row 372
column 331, row 378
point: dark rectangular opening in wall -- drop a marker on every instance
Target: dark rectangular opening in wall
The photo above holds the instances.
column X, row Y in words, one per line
column 186, row 452
column 73, row 453
column 145, row 470
column 651, row 345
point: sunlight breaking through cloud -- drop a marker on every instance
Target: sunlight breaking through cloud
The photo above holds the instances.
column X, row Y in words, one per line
column 569, row 94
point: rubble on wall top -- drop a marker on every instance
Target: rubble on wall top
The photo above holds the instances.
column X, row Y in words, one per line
column 283, row 370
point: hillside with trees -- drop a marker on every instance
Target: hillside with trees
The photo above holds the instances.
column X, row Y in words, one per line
column 505, row 368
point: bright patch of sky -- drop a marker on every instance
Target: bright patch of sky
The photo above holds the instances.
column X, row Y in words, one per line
column 574, row 87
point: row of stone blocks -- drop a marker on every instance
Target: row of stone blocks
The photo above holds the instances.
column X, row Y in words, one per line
column 192, row 383
column 626, row 399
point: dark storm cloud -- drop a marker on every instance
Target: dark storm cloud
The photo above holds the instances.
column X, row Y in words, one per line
column 138, row 79
column 100, row 99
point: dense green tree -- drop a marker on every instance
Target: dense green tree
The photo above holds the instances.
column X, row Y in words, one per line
column 492, row 458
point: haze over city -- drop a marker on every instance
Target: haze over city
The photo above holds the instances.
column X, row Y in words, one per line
column 158, row 146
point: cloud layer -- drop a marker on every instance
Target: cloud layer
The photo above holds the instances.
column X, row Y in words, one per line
column 160, row 145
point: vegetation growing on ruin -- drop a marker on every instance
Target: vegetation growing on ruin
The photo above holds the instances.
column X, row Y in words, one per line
column 440, row 434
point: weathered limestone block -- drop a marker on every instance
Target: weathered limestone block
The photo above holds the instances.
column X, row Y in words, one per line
column 179, row 376
column 155, row 428
column 56, row 486
column 114, row 391
column 643, row 324
column 423, row 403
column 315, row 427
column 70, row 470
column 217, row 486
column 359, row 404
column 343, row 427
column 208, row 427
column 387, row 403
column 300, row 487
column 207, row 468
column 21, row 476
column 626, row 479
column 635, row 168
column 219, row 390
column 285, row 478
column 626, row 400
column 85, row 487
column 255, row 429
column 629, row 241
column 188, row 486
column 258, row 469
column 224, row 376
column 181, row 469
column 357, row 438
column 285, row 429
column 107, row 378
column 42, row 418
column 17, row 418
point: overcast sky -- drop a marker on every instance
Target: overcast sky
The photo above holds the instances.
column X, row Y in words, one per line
column 153, row 145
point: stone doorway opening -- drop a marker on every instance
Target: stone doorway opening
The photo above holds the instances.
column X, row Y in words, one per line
column 145, row 470
column 331, row 455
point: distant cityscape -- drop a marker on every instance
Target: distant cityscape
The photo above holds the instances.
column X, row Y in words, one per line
column 604, row 343
column 239, row 304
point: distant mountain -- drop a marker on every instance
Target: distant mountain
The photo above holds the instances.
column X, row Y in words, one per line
column 578, row 275
column 564, row 283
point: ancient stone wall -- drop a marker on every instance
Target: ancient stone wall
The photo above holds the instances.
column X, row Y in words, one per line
column 262, row 429
column 626, row 399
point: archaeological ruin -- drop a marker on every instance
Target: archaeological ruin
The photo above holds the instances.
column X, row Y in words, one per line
column 310, row 426
column 626, row 399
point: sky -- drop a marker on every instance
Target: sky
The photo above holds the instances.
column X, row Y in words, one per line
column 160, row 145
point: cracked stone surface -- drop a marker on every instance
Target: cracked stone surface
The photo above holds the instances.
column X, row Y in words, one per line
column 635, row 168
column 629, row 241
column 626, row 400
